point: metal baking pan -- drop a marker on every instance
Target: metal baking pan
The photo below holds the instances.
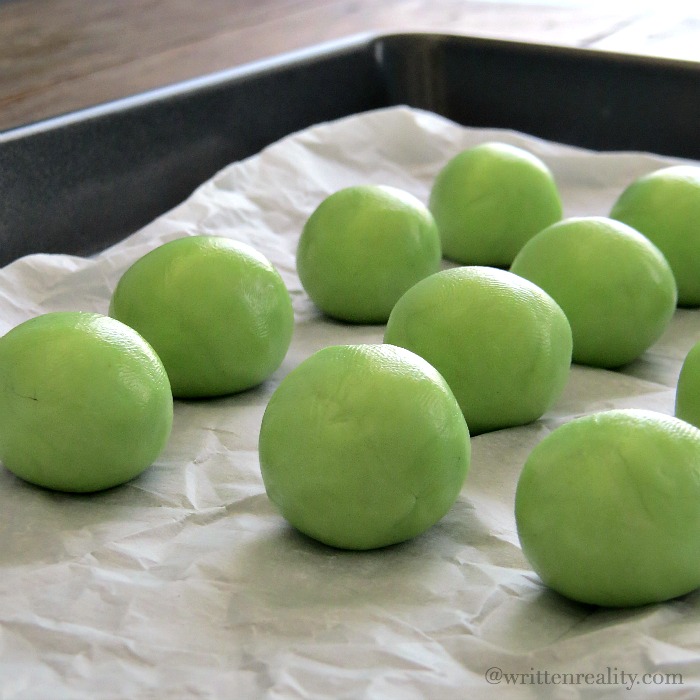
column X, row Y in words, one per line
column 80, row 182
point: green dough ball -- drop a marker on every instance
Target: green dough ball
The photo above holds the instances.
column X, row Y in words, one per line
column 608, row 508
column 501, row 343
column 363, row 446
column 362, row 248
column 665, row 206
column 488, row 201
column 85, row 402
column 614, row 285
column 688, row 389
column 216, row 311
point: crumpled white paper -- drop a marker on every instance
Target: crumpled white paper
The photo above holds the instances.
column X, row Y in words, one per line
column 186, row 583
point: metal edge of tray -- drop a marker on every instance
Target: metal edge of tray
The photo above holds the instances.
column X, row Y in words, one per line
column 80, row 182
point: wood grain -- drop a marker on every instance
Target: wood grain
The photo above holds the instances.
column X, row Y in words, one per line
column 62, row 55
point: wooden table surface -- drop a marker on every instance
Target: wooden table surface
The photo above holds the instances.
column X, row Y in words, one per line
column 57, row 56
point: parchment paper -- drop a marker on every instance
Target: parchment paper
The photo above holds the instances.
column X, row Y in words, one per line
column 186, row 583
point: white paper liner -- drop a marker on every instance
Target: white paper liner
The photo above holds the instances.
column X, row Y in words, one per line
column 186, row 583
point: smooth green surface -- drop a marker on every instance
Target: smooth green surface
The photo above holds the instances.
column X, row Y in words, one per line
column 665, row 206
column 608, row 508
column 501, row 343
column 688, row 388
column 215, row 310
column 362, row 248
column 488, row 201
column 85, row 402
column 614, row 285
column 363, row 446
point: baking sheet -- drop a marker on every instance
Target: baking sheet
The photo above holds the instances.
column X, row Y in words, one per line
column 186, row 583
